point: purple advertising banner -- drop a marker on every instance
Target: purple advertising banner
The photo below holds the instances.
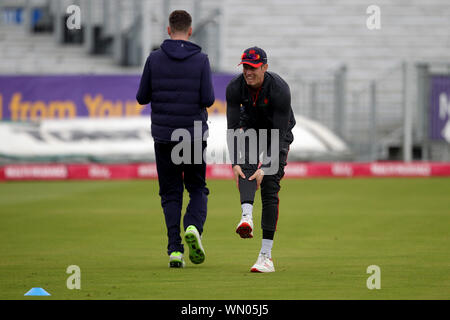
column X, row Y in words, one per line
column 68, row 96
column 440, row 108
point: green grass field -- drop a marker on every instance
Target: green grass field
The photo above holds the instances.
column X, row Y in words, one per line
column 329, row 232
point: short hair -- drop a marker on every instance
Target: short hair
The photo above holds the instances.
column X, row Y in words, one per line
column 180, row 21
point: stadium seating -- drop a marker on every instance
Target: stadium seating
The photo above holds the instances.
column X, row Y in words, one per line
column 312, row 36
column 306, row 40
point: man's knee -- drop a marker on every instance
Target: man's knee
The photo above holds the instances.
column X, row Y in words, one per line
column 197, row 189
column 249, row 169
column 270, row 184
column 269, row 190
column 171, row 195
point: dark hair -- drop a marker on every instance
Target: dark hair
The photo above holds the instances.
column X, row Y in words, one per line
column 180, row 21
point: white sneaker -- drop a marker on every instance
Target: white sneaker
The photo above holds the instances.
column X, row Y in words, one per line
column 263, row 264
column 245, row 227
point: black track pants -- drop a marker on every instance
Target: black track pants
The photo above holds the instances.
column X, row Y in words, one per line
column 270, row 186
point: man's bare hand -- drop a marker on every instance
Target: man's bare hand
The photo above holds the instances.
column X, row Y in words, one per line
column 237, row 171
column 258, row 175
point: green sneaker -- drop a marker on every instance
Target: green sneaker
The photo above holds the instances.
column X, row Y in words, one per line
column 194, row 242
column 176, row 260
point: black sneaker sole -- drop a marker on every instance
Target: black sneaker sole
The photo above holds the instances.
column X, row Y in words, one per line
column 196, row 254
column 176, row 264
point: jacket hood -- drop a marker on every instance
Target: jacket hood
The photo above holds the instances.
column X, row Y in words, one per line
column 179, row 49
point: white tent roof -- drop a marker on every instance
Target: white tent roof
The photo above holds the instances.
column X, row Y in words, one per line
column 129, row 139
column 312, row 141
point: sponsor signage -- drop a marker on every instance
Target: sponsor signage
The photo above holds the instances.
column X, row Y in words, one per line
column 29, row 97
column 220, row 171
column 440, row 108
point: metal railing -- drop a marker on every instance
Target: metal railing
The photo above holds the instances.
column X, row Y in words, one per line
column 375, row 115
column 386, row 119
column 395, row 111
column 322, row 99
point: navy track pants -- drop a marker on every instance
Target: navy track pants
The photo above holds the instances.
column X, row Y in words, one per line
column 173, row 178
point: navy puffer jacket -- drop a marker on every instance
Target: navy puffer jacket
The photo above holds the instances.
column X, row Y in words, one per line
column 177, row 81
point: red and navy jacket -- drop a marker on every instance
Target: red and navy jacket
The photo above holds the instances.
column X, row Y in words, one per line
column 177, row 81
column 269, row 107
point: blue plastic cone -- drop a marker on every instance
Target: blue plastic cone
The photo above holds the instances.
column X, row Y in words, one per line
column 37, row 292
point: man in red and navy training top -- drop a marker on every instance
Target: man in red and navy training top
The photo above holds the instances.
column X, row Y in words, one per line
column 258, row 99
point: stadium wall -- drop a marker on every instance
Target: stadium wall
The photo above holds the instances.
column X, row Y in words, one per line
column 52, row 172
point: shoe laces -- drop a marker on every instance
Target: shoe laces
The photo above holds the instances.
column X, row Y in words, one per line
column 263, row 257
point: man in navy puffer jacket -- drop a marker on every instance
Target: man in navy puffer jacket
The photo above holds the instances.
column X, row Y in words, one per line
column 177, row 81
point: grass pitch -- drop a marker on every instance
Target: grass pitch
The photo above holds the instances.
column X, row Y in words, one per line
column 329, row 232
